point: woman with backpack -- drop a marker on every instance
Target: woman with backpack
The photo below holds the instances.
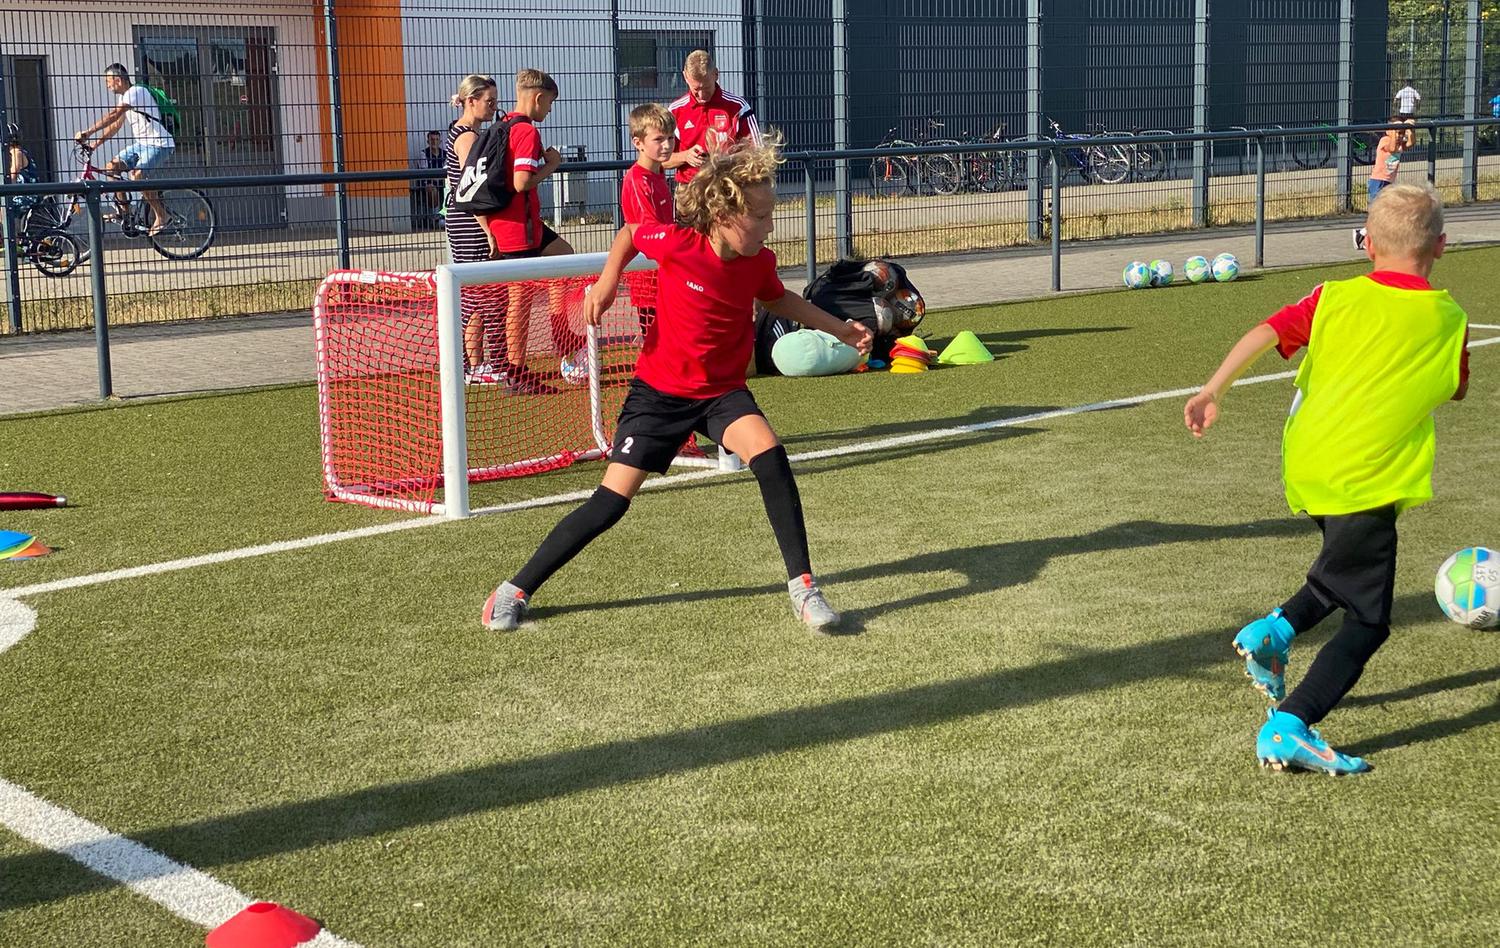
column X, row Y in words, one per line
column 468, row 240
column 19, row 168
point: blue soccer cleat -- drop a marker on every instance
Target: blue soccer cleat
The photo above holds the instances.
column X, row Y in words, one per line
column 1265, row 645
column 1286, row 743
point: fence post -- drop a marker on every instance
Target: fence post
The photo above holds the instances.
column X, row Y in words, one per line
column 812, row 221
column 1469, row 189
column 96, row 283
column 336, row 109
column 1202, row 150
column 1260, row 201
column 1034, row 118
column 1343, row 160
column 1056, row 220
column 843, row 218
column 8, row 232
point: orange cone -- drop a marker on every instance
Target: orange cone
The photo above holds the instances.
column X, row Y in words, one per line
column 264, row 925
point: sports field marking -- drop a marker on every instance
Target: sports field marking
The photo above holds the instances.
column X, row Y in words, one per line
column 1484, row 326
column 864, row 447
column 182, row 890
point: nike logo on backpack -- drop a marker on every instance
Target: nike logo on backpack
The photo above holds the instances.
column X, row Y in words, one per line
column 471, row 181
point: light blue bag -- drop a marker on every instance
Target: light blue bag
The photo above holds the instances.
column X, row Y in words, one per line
column 812, row 352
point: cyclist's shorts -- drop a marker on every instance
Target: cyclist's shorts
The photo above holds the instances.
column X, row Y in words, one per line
column 140, row 157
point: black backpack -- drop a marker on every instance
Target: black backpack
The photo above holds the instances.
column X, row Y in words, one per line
column 484, row 186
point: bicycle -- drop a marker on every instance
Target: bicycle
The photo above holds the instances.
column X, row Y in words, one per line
column 188, row 231
column 908, row 174
column 1106, row 164
column 1315, row 150
column 52, row 250
column 984, row 171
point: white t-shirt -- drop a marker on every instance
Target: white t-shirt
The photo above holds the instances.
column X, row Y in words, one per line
column 1408, row 98
column 145, row 118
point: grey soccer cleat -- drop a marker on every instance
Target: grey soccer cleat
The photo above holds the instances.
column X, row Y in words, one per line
column 505, row 608
column 809, row 604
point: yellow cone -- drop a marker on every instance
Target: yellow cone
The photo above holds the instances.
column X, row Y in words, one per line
column 965, row 349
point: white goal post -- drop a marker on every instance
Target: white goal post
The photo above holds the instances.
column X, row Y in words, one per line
column 399, row 418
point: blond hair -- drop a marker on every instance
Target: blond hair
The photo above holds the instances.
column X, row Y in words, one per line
column 643, row 118
column 472, row 85
column 1405, row 220
column 717, row 191
column 534, row 79
column 699, row 63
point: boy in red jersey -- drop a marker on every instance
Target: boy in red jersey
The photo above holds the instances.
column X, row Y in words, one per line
column 645, row 197
column 517, row 231
column 714, row 266
column 709, row 120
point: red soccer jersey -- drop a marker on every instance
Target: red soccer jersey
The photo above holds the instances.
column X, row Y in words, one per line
column 717, row 123
column 519, row 226
column 645, row 198
column 704, row 333
column 1293, row 324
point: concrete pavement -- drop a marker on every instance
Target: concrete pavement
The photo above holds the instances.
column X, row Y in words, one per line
column 58, row 370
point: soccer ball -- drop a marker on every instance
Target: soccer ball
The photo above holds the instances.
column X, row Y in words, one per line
column 1468, row 588
column 575, row 368
column 882, row 277
column 1197, row 269
column 1225, row 267
column 1137, row 275
column 1161, row 273
column 885, row 316
column 910, row 309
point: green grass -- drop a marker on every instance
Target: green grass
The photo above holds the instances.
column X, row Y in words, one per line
column 1040, row 736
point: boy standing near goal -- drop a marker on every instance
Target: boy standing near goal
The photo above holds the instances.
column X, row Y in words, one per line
column 1383, row 351
column 517, row 232
column 645, row 197
column 691, row 372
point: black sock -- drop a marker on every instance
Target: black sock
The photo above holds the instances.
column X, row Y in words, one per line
column 778, row 490
column 574, row 532
column 1305, row 609
column 1336, row 669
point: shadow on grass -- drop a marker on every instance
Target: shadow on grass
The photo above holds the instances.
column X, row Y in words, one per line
column 797, row 443
column 291, row 827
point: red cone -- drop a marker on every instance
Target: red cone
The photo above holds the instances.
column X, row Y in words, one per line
column 264, row 925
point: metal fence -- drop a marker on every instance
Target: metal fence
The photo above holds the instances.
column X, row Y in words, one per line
column 277, row 99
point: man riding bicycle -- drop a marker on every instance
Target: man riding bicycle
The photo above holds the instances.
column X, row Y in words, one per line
column 153, row 145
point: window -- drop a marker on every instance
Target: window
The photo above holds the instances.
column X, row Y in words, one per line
column 651, row 62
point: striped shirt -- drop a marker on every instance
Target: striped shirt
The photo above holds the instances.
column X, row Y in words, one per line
column 466, row 237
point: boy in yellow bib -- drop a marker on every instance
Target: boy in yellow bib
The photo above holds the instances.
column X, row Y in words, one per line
column 1383, row 351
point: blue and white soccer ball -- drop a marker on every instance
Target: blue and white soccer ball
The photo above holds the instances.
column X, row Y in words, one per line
column 575, row 368
column 1225, row 267
column 1161, row 273
column 1197, row 269
column 1137, row 275
column 1468, row 588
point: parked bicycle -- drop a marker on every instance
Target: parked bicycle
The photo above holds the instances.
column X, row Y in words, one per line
column 187, row 232
column 912, row 174
column 52, row 250
column 1315, row 150
column 989, row 171
column 1107, row 164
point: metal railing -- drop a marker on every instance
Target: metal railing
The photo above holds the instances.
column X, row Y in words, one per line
column 1040, row 212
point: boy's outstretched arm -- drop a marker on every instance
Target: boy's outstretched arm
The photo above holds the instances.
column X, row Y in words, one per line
column 798, row 310
column 1202, row 409
column 601, row 295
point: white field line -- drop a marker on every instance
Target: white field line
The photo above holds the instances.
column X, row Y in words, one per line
column 865, row 447
column 1483, row 326
column 182, row 890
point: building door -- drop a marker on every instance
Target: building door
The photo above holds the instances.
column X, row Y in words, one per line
column 26, row 104
column 224, row 81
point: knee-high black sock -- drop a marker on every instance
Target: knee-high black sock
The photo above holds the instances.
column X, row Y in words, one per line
column 778, row 490
column 574, row 532
column 1337, row 667
column 1305, row 609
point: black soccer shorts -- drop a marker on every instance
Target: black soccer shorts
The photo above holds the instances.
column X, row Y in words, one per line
column 653, row 425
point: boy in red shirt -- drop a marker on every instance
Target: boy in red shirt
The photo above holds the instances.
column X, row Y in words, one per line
column 691, row 373
column 517, row 231
column 645, row 197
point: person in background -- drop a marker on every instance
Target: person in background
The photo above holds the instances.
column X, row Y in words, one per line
column 709, row 120
column 430, row 193
column 153, row 145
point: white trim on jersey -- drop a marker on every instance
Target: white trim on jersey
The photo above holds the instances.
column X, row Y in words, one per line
column 680, row 102
column 747, row 114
